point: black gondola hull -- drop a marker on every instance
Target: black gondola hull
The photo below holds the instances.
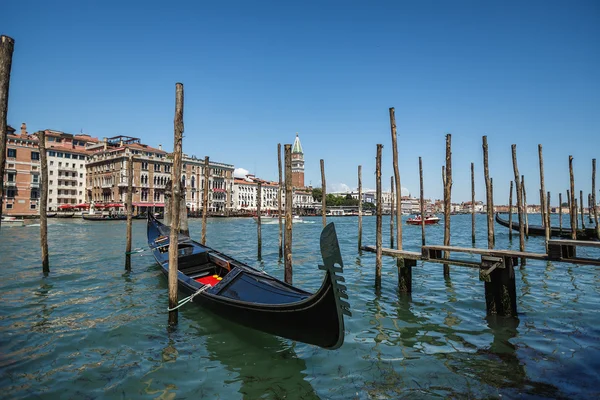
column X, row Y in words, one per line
column 538, row 230
column 259, row 301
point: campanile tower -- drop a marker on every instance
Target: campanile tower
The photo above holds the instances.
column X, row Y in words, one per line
column 297, row 164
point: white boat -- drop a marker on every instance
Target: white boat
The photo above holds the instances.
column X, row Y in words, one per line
column 12, row 221
column 270, row 219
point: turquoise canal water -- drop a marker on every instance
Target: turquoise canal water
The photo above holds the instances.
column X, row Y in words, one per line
column 92, row 330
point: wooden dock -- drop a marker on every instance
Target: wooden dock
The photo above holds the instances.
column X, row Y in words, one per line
column 496, row 267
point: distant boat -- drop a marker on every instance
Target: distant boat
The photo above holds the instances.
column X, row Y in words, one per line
column 12, row 221
column 538, row 230
column 114, row 217
column 270, row 219
column 429, row 220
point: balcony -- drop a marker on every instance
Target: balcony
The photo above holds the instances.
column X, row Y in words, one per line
column 67, row 169
column 123, row 184
column 107, row 185
column 10, row 184
column 34, row 185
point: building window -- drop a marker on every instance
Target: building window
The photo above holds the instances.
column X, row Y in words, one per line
column 12, row 153
column 32, row 206
column 35, row 156
column 11, row 193
column 144, row 166
column 35, row 178
column 35, row 194
column 11, row 176
column 9, row 206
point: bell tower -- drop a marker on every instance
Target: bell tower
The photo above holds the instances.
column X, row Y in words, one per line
column 297, row 164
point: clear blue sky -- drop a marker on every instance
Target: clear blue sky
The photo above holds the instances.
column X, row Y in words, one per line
column 255, row 73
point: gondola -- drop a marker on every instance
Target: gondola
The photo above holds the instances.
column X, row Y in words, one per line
column 254, row 299
column 538, row 230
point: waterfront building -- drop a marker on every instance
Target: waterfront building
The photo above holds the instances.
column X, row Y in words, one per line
column 245, row 191
column 107, row 178
column 220, row 185
column 22, row 179
column 67, row 156
column 245, row 195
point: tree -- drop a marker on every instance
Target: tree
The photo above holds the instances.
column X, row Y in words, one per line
column 317, row 194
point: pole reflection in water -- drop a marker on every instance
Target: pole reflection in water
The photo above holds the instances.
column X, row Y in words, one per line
column 45, row 311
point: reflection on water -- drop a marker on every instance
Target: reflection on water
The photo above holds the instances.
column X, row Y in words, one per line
column 96, row 329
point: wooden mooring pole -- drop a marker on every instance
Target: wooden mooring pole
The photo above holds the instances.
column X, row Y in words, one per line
column 279, row 209
column 519, row 203
column 581, row 209
column 258, row 223
column 545, row 210
column 391, row 212
column 500, row 288
column 404, row 267
column 128, row 205
column 525, row 211
column 447, row 199
column 7, row 45
column 590, row 220
column 324, row 193
column 472, row 204
column 378, row 212
column 205, row 199
column 510, row 211
column 547, row 216
column 422, row 202
column 175, row 204
column 572, row 206
column 288, row 214
column 488, row 195
column 560, row 213
column 44, row 203
column 360, row 208
column 594, row 198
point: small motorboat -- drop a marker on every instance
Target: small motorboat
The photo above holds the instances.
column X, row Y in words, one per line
column 429, row 220
column 12, row 221
column 270, row 219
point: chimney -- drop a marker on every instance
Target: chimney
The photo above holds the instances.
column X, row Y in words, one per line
column 105, row 144
column 23, row 129
column 160, row 146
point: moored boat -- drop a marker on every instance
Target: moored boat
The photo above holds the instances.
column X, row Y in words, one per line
column 12, row 221
column 254, row 299
column 108, row 217
column 555, row 231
